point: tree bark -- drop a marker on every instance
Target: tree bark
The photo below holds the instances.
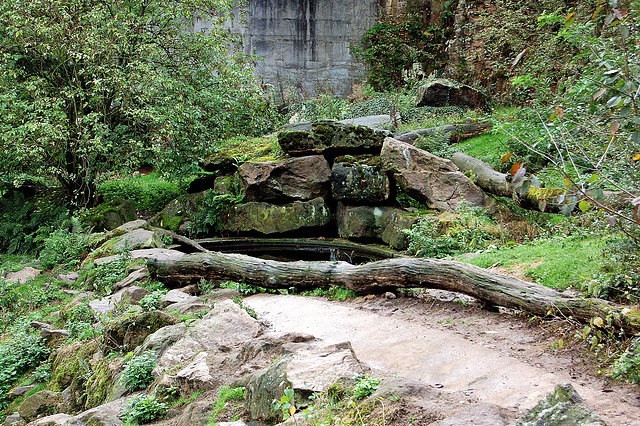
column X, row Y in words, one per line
column 389, row 274
column 489, row 180
column 454, row 132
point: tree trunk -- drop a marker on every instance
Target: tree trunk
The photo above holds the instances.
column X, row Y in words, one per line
column 454, row 132
column 389, row 274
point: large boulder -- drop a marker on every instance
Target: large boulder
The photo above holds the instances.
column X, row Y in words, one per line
column 432, row 180
column 276, row 219
column 359, row 182
column 330, row 138
column 23, row 275
column 440, row 92
column 41, row 403
column 122, row 298
column 294, row 179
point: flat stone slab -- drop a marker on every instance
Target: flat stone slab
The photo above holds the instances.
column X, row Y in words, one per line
column 153, row 253
column 23, row 275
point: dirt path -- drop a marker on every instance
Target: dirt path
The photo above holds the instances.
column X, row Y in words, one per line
column 495, row 357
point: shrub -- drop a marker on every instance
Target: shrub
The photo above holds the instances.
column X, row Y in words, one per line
column 619, row 278
column 466, row 231
column 215, row 208
column 143, row 409
column 148, row 193
column 62, row 247
column 137, row 373
column 151, row 301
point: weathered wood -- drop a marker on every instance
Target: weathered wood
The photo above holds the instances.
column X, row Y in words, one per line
column 180, row 238
column 487, row 178
column 388, row 274
column 454, row 132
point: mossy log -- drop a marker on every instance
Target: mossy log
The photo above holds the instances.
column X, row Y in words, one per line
column 453, row 132
column 391, row 274
column 500, row 184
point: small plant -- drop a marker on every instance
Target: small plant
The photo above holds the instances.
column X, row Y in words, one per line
column 215, row 209
column 286, row 404
column 225, row 395
column 627, row 367
column 151, row 301
column 340, row 293
column 143, row 409
column 62, row 247
column 137, row 373
column 365, row 386
column 102, row 277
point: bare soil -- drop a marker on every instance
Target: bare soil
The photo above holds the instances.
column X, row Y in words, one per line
column 448, row 341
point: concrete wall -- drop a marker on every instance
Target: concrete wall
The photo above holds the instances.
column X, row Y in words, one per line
column 305, row 43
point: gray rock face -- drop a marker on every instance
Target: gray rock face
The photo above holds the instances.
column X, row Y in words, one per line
column 562, row 407
column 138, row 239
column 359, row 183
column 14, row 420
column 226, row 325
column 129, row 331
column 331, row 139
column 126, row 296
column 274, row 219
column 441, row 92
column 295, row 179
column 102, row 415
column 429, row 179
column 161, row 339
column 373, row 121
column 475, row 414
column 53, row 420
column 153, row 253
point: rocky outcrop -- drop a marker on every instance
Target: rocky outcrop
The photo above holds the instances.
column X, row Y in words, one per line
column 429, row 179
column 267, row 218
column 442, row 92
column 295, row 179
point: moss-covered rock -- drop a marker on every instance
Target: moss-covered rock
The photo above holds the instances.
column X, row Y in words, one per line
column 129, row 331
column 562, row 407
column 330, row 138
column 39, row 404
column 109, row 215
column 276, row 219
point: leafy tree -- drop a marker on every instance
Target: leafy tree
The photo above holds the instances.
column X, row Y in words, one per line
column 87, row 86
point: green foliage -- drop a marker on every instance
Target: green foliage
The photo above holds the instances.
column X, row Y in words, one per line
column 465, row 231
column 248, row 309
column 151, row 301
column 102, row 277
column 225, row 396
column 215, row 208
column 364, row 387
column 286, row 404
column 391, row 48
column 18, row 300
column 143, row 409
column 18, row 354
column 619, row 276
column 137, row 373
column 63, row 247
column 25, row 224
column 627, row 367
column 42, row 373
column 80, row 320
column 89, row 86
column 147, row 193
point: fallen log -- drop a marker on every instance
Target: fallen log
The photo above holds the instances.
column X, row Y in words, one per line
column 390, row 274
column 500, row 184
column 454, row 132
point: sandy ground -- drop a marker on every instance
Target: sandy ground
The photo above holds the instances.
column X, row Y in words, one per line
column 495, row 357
